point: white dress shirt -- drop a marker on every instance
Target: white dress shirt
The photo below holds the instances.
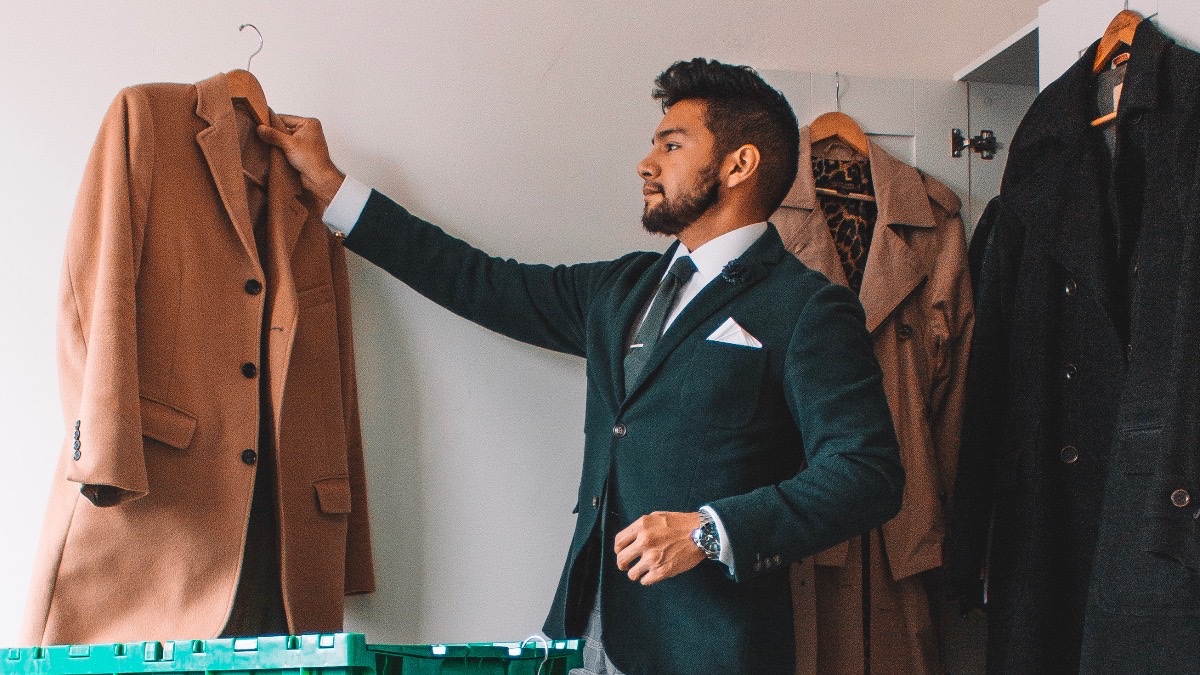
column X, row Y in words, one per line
column 710, row 259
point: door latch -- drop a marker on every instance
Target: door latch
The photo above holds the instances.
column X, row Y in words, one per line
column 985, row 143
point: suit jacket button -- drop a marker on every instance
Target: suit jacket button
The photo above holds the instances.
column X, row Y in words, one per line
column 778, row 559
column 1069, row 454
column 1070, row 287
column 1180, row 498
column 595, row 502
column 758, row 566
column 619, row 431
column 253, row 286
column 249, row 370
column 249, row 457
column 1071, row 371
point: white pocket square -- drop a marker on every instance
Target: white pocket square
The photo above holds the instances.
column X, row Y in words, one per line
column 732, row 334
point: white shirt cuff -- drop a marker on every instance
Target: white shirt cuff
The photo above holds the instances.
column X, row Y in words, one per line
column 726, row 557
column 347, row 205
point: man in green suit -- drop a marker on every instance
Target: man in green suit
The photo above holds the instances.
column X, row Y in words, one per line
column 736, row 419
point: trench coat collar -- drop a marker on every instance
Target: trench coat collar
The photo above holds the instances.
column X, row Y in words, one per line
column 893, row 268
column 219, row 143
column 748, row 269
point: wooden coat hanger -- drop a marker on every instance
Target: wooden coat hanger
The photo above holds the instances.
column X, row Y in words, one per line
column 841, row 126
column 1118, row 35
column 1119, row 32
column 244, row 86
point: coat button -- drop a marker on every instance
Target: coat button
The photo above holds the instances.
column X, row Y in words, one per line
column 249, row 457
column 1181, row 498
column 904, row 331
column 249, row 370
column 1069, row 454
column 77, row 455
column 595, row 502
column 778, row 559
column 1070, row 372
column 77, row 434
column 253, row 286
column 619, row 431
column 758, row 566
column 1070, row 287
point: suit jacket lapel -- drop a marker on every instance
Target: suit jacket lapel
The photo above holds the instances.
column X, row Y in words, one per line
column 629, row 311
column 219, row 142
column 756, row 263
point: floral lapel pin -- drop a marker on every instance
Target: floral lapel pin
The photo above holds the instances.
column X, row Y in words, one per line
column 735, row 272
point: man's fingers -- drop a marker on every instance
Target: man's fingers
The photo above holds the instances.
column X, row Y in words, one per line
column 273, row 136
column 293, row 120
column 627, row 556
column 626, row 536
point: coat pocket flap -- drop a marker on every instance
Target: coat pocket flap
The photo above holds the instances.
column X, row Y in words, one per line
column 166, row 424
column 333, row 494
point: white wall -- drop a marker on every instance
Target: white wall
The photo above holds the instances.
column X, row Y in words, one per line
column 515, row 124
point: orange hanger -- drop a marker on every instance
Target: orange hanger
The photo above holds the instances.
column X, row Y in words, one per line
column 1119, row 32
column 243, row 86
column 841, row 126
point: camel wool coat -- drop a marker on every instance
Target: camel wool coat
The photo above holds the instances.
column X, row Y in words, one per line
column 164, row 303
column 916, row 292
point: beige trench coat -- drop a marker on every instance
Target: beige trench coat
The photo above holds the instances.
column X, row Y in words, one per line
column 917, row 295
column 160, row 336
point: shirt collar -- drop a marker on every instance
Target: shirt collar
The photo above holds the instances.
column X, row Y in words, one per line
column 712, row 256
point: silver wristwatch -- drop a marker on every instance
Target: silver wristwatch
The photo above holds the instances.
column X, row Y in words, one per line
column 706, row 539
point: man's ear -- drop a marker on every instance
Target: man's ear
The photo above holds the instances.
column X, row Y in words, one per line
column 740, row 165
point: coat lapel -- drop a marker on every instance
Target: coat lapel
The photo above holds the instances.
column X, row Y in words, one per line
column 894, row 269
column 286, row 217
column 757, row 262
column 219, row 143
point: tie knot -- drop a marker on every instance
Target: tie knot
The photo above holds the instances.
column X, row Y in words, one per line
column 682, row 269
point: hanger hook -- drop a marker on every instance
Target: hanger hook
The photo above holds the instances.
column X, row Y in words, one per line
column 260, row 42
column 837, row 92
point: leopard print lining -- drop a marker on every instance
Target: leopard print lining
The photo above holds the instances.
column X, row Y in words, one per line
column 851, row 221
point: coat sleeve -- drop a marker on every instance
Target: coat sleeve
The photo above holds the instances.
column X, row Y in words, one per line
column 956, row 307
column 537, row 304
column 360, row 569
column 853, row 481
column 97, row 315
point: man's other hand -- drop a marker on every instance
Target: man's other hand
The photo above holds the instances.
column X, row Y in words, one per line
column 304, row 145
column 658, row 546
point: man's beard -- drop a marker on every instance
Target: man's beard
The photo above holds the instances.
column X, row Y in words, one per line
column 672, row 216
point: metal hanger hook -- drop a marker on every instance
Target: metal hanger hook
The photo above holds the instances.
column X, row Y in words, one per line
column 260, row 42
column 837, row 92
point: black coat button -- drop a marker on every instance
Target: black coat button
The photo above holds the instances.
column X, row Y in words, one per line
column 904, row 331
column 249, row 370
column 253, row 286
column 249, row 456
column 1069, row 454
column 1070, row 287
column 1070, row 372
column 1180, row 498
column 619, row 431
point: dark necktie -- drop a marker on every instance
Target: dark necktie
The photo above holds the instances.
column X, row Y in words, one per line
column 647, row 335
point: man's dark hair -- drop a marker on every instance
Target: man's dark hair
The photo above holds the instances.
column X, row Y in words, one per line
column 740, row 109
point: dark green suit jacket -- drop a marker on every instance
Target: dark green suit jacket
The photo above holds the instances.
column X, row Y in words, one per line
column 791, row 443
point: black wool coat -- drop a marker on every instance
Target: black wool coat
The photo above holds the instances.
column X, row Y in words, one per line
column 1079, row 487
column 791, row 443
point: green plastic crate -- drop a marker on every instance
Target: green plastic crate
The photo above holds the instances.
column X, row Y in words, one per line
column 555, row 657
column 328, row 654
